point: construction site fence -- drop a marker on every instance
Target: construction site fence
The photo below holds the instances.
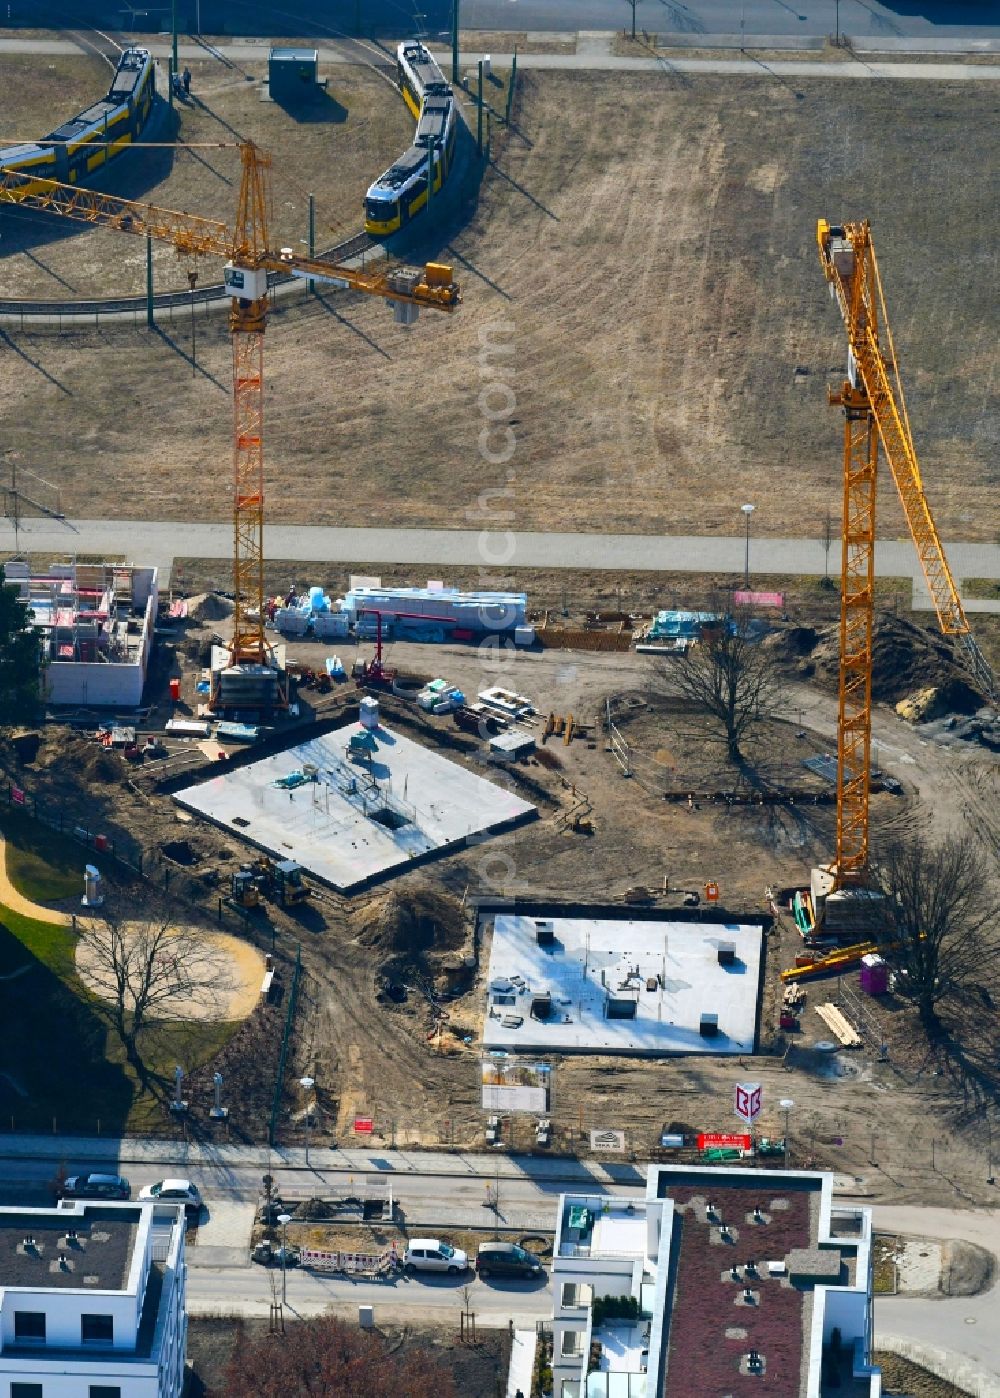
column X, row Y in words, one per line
column 372, row 1264
column 279, row 1081
column 57, row 817
column 558, row 638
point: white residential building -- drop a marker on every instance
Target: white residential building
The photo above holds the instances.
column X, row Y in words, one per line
column 92, row 1301
column 718, row 1277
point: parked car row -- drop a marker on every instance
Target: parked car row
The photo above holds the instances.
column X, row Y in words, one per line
column 92, row 1185
column 492, row 1260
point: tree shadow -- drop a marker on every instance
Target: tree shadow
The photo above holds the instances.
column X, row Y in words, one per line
column 52, row 1049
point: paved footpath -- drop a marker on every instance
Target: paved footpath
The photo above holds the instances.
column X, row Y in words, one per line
column 158, row 542
column 747, row 65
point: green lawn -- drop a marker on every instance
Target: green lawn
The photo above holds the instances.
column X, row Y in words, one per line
column 43, row 866
column 64, row 1065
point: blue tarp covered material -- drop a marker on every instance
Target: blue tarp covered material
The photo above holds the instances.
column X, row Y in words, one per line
column 293, row 779
column 681, row 624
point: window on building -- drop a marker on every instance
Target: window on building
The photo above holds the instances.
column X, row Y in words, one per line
column 26, row 1390
column 572, row 1343
column 29, row 1325
column 576, row 1295
column 104, row 1390
column 97, row 1329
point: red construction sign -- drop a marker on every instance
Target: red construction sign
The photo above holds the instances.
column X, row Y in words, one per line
column 722, row 1140
column 363, row 1125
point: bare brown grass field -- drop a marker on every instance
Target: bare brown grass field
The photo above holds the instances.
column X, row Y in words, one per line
column 650, row 243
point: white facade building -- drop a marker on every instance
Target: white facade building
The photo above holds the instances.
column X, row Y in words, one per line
column 717, row 1273
column 92, row 1301
column 95, row 623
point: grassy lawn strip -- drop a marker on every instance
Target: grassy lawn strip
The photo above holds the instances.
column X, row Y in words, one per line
column 43, row 866
column 986, row 589
column 66, row 1066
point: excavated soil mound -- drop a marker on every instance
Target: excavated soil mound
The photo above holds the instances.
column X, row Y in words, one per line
column 411, row 922
column 209, row 606
column 905, row 658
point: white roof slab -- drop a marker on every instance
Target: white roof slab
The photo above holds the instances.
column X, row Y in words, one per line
column 329, row 825
column 592, row 960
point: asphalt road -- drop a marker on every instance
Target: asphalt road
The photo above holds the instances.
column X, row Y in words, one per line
column 442, row 1191
column 803, row 17
column 158, row 542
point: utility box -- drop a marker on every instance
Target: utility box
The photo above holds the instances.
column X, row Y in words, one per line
column 292, row 74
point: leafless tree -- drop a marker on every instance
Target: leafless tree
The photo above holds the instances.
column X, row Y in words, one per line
column 331, row 1357
column 145, row 970
column 940, row 919
column 729, row 677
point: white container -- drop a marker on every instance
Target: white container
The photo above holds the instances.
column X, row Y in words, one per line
column 369, row 713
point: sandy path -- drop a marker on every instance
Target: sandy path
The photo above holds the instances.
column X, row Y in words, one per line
column 220, row 979
column 17, row 903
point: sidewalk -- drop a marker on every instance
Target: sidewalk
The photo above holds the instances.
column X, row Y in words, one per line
column 133, row 1150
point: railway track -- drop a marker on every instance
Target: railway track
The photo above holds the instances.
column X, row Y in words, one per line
column 24, row 310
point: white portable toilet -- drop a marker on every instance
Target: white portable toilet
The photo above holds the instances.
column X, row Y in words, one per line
column 92, row 895
column 369, row 713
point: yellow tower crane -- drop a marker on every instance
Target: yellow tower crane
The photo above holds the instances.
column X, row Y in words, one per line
column 251, row 677
column 875, row 418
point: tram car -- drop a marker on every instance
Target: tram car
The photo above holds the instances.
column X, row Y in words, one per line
column 71, row 151
column 399, row 194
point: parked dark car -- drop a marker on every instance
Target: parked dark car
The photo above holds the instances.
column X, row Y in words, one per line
column 91, row 1186
column 507, row 1260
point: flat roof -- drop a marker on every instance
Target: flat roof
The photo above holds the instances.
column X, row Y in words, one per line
column 712, row 1327
column 101, row 1256
column 352, row 821
column 596, row 969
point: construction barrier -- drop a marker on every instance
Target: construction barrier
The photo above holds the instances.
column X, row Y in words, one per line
column 369, row 1263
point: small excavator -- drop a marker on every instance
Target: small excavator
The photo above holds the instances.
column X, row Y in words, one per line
column 280, row 881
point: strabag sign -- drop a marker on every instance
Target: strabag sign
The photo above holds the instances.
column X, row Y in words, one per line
column 607, row 1140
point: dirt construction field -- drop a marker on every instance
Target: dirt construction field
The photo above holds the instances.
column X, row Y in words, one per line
column 389, row 1012
column 646, row 247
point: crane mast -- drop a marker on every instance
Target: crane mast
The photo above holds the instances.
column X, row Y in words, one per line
column 251, row 678
column 875, row 418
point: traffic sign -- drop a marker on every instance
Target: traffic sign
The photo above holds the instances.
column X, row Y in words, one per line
column 747, row 1101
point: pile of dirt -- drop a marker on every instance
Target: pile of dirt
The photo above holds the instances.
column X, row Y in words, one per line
column 208, row 606
column 906, row 658
column 411, row 921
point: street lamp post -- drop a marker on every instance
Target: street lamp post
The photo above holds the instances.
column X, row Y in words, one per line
column 837, row 35
column 192, row 283
column 284, row 1220
column 786, row 1104
column 747, row 512
column 307, row 1085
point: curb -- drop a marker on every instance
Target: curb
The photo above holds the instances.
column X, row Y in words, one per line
column 943, row 1364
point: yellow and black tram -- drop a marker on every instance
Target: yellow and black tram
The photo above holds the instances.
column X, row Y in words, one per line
column 95, row 135
column 401, row 192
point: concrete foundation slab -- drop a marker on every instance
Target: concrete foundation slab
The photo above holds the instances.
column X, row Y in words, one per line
column 575, row 984
column 352, row 817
